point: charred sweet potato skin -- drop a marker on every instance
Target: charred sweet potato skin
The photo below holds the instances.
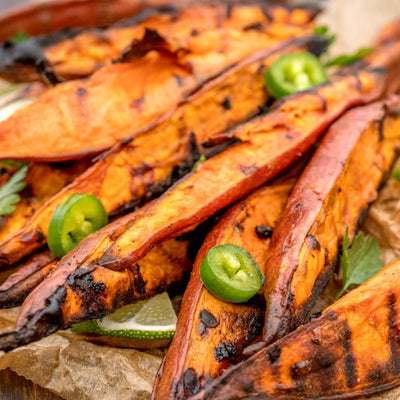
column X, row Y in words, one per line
column 333, row 192
column 270, row 143
column 79, row 123
column 19, row 284
column 351, row 350
column 211, row 333
column 135, row 172
column 91, row 291
column 78, row 53
column 86, row 52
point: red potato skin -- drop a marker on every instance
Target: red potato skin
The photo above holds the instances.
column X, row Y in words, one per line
column 79, row 122
column 211, row 333
column 90, row 49
column 133, row 173
column 351, row 350
column 270, row 144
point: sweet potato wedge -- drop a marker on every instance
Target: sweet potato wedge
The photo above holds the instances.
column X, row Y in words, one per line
column 273, row 142
column 351, row 350
column 92, row 291
column 333, row 193
column 19, row 284
column 78, row 122
column 134, row 172
column 211, row 333
column 270, row 144
column 78, row 53
column 42, row 182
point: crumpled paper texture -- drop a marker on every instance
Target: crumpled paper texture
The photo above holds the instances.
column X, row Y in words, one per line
column 76, row 369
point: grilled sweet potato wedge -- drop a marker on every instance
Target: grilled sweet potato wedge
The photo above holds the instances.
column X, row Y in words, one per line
column 19, row 284
column 351, row 350
column 211, row 333
column 273, row 142
column 333, row 193
column 42, row 182
column 270, row 144
column 78, row 53
column 91, row 291
column 134, row 172
column 78, row 122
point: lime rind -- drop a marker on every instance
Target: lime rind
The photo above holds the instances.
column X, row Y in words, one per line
column 136, row 321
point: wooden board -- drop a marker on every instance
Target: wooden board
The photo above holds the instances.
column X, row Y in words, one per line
column 14, row 387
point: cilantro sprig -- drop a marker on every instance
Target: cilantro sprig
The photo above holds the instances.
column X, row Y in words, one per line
column 9, row 191
column 346, row 59
column 360, row 261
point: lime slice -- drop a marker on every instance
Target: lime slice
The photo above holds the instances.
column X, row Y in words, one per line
column 151, row 319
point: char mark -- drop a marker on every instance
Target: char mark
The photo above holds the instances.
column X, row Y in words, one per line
column 225, row 351
column 394, row 332
column 208, row 319
column 349, row 359
column 264, row 231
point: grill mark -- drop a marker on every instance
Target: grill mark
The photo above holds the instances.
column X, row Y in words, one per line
column 256, row 26
column 264, row 231
column 394, row 331
column 349, row 359
column 381, row 123
column 208, row 319
column 140, row 284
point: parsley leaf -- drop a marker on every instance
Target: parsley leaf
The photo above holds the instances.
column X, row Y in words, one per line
column 198, row 162
column 8, row 192
column 346, row 59
column 20, row 36
column 360, row 262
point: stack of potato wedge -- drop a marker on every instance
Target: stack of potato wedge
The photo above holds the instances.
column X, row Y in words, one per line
column 128, row 112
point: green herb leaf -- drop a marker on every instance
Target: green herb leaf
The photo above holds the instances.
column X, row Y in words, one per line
column 20, row 36
column 360, row 262
column 199, row 161
column 346, row 59
column 13, row 163
column 8, row 192
column 396, row 174
column 323, row 30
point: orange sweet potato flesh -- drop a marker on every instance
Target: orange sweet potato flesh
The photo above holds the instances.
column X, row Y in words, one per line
column 270, row 144
column 211, row 333
column 93, row 48
column 273, row 142
column 133, row 173
column 73, row 119
column 43, row 181
column 19, row 284
column 91, row 291
column 351, row 350
column 333, row 192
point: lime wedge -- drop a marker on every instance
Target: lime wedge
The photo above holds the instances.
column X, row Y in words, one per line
column 151, row 319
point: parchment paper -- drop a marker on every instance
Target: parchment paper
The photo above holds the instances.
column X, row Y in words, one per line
column 76, row 369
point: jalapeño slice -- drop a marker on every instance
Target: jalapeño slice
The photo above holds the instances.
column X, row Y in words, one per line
column 294, row 72
column 231, row 273
column 79, row 216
